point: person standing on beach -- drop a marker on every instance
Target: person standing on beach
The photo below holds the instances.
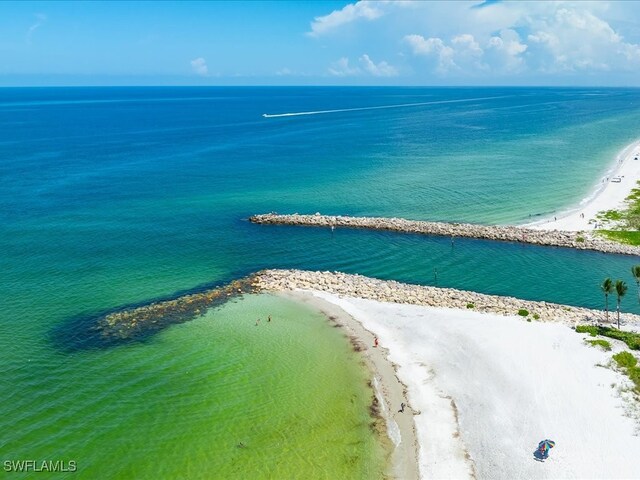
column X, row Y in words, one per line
column 269, row 319
column 375, row 342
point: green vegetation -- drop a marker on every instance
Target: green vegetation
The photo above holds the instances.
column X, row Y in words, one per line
column 607, row 288
column 623, row 225
column 590, row 329
column 632, row 214
column 523, row 313
column 609, row 215
column 621, row 290
column 536, row 316
column 630, row 338
column 629, row 363
column 470, row 305
column 625, row 360
column 635, row 194
column 600, row 343
column 630, row 238
column 635, row 271
column 580, row 239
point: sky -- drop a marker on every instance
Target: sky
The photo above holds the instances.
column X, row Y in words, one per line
column 475, row 42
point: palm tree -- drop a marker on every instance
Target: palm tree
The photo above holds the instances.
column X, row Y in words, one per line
column 607, row 288
column 621, row 289
column 635, row 271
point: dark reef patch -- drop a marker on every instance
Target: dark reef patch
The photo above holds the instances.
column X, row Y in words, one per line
column 138, row 322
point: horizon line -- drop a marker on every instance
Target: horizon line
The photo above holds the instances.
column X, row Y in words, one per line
column 317, row 86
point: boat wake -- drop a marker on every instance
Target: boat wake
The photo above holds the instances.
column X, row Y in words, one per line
column 379, row 107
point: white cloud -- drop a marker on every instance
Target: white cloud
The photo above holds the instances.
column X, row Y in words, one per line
column 468, row 53
column 382, row 69
column 41, row 18
column 576, row 40
column 354, row 11
column 464, row 54
column 468, row 43
column 433, row 47
column 499, row 39
column 341, row 68
column 199, row 66
column 505, row 51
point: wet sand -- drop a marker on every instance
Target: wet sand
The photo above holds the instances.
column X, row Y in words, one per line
column 611, row 197
column 484, row 398
column 391, row 392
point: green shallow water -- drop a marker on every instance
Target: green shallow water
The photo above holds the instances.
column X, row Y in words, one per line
column 292, row 391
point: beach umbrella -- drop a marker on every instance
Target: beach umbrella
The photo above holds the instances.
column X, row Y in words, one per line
column 546, row 444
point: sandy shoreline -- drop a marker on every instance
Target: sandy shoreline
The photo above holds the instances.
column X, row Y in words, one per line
column 484, row 387
column 609, row 197
column 483, row 398
column 391, row 392
column 573, row 228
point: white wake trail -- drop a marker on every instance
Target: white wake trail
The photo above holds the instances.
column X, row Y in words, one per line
column 358, row 109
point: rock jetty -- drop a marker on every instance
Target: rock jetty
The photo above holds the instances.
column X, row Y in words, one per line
column 505, row 233
column 141, row 321
column 391, row 291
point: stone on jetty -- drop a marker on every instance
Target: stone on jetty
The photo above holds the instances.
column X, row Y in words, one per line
column 395, row 292
column 507, row 233
column 138, row 322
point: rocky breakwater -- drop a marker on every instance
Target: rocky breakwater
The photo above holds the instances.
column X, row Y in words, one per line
column 138, row 322
column 506, row 233
column 390, row 291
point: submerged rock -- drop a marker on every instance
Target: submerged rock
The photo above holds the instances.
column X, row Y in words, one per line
column 138, row 322
column 142, row 321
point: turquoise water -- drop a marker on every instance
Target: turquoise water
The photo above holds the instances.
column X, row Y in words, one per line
column 110, row 197
column 217, row 398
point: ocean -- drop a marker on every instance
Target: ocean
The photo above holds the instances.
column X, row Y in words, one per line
column 117, row 196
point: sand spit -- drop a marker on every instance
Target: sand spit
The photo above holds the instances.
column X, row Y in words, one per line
column 487, row 388
column 483, row 385
column 554, row 238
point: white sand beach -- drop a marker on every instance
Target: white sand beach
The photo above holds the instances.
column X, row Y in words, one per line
column 611, row 196
column 485, row 389
column 390, row 390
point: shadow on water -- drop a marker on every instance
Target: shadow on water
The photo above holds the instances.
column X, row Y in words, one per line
column 138, row 322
